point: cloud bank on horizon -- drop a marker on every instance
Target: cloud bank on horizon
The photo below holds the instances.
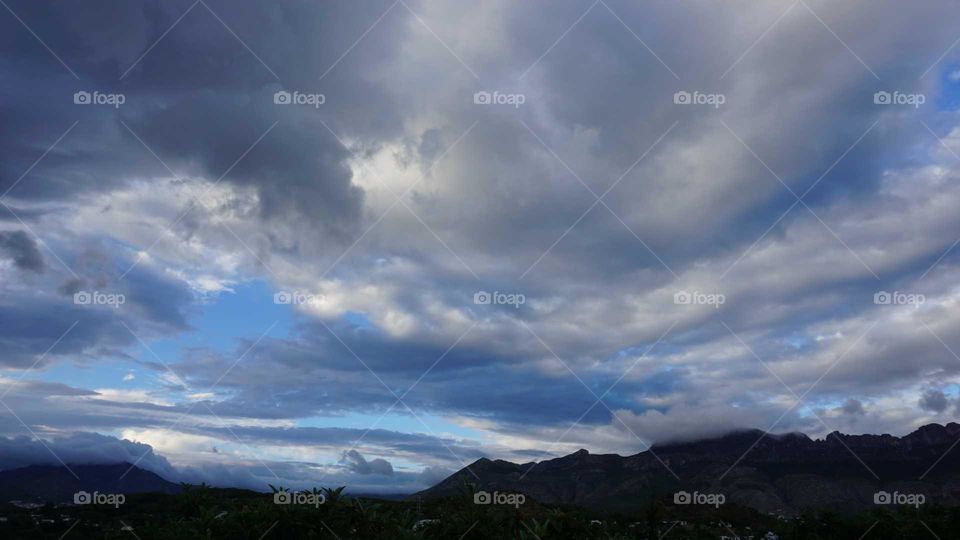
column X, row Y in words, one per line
column 367, row 243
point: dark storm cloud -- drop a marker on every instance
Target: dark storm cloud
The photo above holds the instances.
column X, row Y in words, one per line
column 297, row 167
column 198, row 98
column 22, row 249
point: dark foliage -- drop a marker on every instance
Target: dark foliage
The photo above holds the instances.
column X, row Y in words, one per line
column 202, row 512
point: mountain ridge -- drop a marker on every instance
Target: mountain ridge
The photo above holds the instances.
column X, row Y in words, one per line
column 783, row 473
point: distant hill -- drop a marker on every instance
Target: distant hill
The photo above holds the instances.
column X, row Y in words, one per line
column 780, row 473
column 57, row 484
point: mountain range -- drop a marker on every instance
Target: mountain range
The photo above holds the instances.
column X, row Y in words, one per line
column 780, row 474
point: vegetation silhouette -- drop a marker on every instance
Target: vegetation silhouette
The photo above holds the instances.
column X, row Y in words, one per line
column 203, row 512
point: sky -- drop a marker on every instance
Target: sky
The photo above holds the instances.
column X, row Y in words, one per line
column 366, row 243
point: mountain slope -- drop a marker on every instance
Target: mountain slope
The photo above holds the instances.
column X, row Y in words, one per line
column 57, row 484
column 772, row 473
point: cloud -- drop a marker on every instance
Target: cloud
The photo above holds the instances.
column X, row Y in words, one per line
column 47, row 323
column 686, row 423
column 934, row 401
column 434, row 475
column 199, row 115
column 82, row 449
column 358, row 464
column 853, row 406
column 22, row 249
